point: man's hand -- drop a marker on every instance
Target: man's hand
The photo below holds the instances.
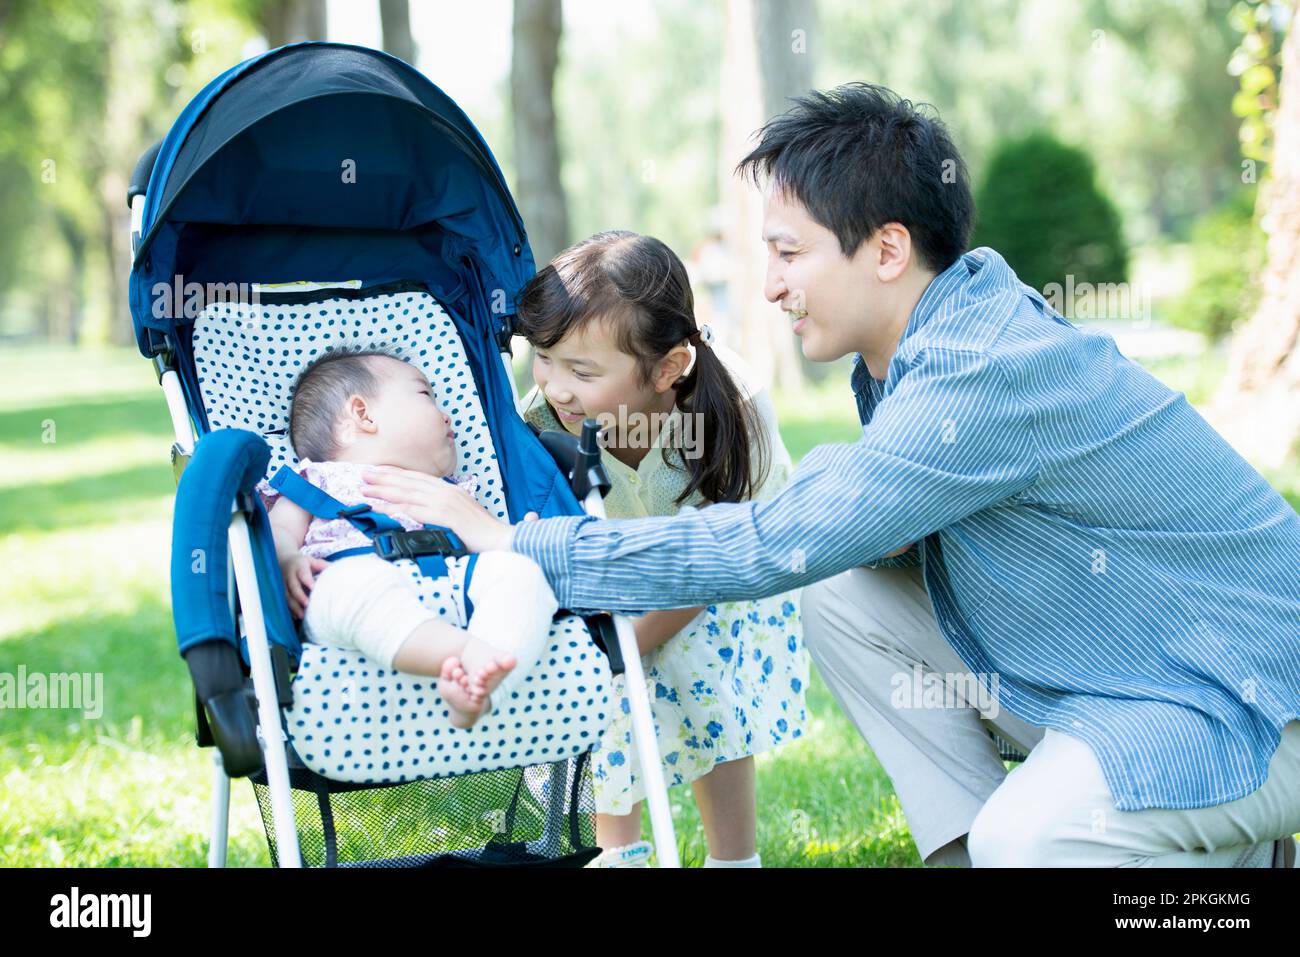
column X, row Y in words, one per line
column 900, row 551
column 432, row 501
column 298, row 572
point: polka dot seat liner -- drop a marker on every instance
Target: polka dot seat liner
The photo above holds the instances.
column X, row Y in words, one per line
column 353, row 720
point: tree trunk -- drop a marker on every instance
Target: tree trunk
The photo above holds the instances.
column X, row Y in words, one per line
column 395, row 18
column 274, row 16
column 128, row 101
column 315, row 20
column 289, row 21
column 74, row 282
column 1258, row 405
column 785, row 31
column 758, row 330
column 115, row 231
column 535, row 57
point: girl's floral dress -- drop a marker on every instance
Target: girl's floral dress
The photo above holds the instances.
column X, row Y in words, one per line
column 730, row 684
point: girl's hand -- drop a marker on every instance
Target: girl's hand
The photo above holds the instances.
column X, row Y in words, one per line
column 432, row 501
column 299, row 579
column 896, row 553
column 656, row 628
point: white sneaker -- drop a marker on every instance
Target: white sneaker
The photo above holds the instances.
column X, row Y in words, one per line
column 629, row 855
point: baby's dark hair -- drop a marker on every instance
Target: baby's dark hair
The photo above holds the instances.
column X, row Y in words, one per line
column 318, row 397
column 640, row 287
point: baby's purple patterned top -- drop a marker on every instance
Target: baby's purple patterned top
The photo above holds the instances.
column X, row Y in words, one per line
column 343, row 480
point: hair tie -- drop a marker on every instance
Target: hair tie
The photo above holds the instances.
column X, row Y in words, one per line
column 703, row 334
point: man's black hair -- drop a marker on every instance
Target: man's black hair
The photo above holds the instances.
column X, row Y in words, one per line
column 860, row 156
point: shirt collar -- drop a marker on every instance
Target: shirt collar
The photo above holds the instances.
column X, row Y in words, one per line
column 979, row 272
column 981, row 265
column 671, row 426
column 942, row 286
column 654, row 456
column 860, row 374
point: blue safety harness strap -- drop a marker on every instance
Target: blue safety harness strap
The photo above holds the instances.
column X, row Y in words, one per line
column 469, row 573
column 378, row 527
column 349, row 552
column 323, row 505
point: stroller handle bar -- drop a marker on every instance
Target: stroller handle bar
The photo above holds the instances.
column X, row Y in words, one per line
column 139, row 184
column 578, row 457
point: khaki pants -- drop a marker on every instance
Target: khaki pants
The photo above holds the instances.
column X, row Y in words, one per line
column 868, row 630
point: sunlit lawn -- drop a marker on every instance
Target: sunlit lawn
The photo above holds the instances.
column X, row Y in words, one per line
column 85, row 511
column 85, row 520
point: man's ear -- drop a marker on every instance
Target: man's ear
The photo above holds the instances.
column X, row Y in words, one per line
column 356, row 416
column 670, row 368
column 895, row 255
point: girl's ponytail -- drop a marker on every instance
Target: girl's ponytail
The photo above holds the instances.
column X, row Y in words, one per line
column 730, row 458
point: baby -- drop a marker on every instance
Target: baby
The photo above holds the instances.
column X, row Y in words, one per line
column 361, row 410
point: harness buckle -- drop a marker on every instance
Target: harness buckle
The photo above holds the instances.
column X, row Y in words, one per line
column 414, row 543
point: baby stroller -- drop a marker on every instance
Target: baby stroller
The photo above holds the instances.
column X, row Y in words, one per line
column 320, row 196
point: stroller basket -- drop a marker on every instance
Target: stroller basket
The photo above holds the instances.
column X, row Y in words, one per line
column 513, row 817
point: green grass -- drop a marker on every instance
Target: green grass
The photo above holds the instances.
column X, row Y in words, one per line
column 85, row 514
column 85, row 523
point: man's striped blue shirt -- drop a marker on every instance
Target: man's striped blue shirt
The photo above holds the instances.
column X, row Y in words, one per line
column 1085, row 536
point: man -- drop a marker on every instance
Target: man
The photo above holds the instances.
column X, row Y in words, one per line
column 1028, row 516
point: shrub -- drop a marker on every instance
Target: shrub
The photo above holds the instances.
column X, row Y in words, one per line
column 1040, row 207
column 1227, row 253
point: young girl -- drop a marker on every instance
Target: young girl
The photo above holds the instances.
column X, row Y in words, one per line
column 355, row 411
column 613, row 327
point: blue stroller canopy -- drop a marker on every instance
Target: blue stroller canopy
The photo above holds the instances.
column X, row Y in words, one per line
column 325, row 161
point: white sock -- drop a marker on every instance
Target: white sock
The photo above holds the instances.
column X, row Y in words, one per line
column 710, row 861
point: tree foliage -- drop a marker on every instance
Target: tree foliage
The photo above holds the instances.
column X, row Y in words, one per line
column 1040, row 206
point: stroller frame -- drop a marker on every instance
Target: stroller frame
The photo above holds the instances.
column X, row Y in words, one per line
column 253, row 625
column 248, row 604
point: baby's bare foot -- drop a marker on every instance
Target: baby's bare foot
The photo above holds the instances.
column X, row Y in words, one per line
column 463, row 708
column 484, row 667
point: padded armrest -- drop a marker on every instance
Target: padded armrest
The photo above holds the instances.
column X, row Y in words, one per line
column 225, row 463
